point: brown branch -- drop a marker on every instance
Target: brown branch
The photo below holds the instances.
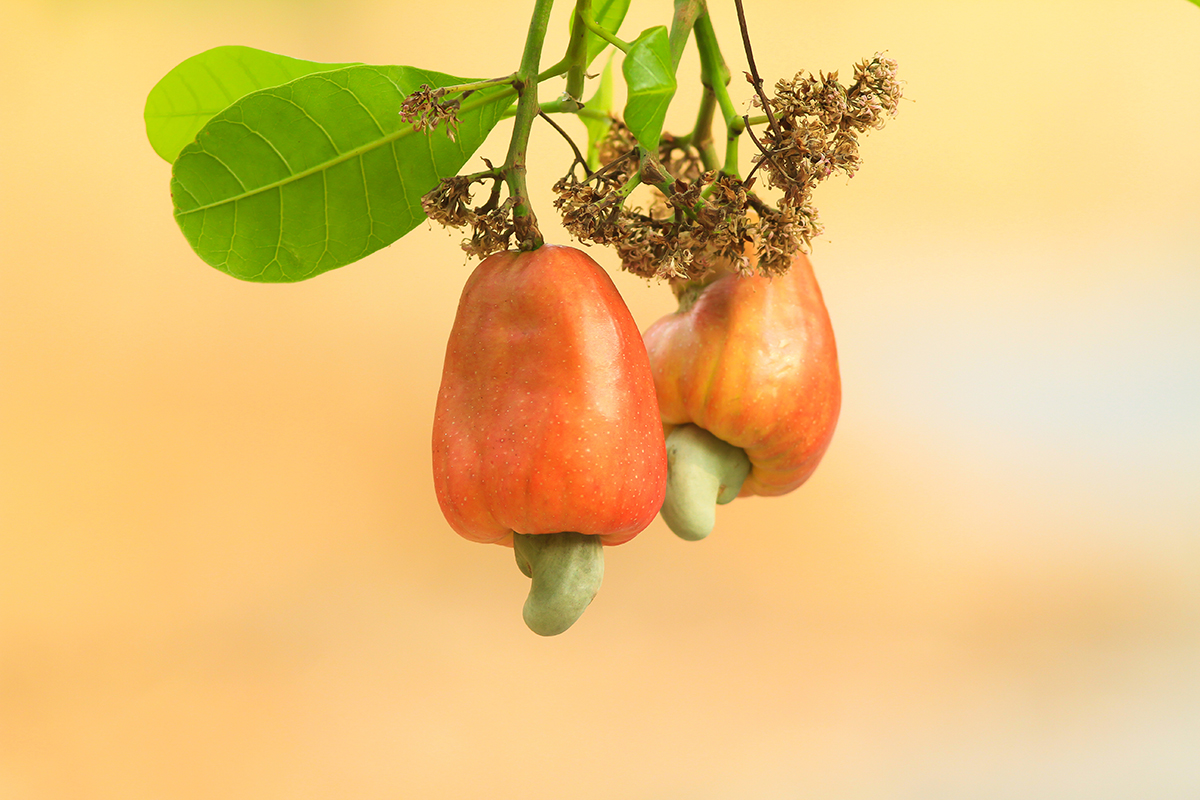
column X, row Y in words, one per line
column 610, row 166
column 755, row 79
column 767, row 155
column 578, row 155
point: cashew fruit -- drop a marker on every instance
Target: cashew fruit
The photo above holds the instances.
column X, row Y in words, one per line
column 752, row 361
column 546, row 435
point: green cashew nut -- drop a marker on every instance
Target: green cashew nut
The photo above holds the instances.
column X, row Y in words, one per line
column 702, row 471
column 566, row 569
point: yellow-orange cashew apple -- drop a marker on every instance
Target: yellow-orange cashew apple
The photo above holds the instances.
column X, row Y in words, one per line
column 746, row 373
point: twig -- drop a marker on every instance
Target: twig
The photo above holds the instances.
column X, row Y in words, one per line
column 612, row 165
column 578, row 155
column 767, row 156
column 755, row 79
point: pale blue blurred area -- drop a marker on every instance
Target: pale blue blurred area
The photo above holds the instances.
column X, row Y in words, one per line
column 1079, row 394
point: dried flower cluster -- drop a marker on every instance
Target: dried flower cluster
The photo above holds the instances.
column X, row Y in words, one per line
column 492, row 227
column 696, row 218
column 615, row 150
column 699, row 217
column 426, row 109
column 678, row 238
column 815, row 124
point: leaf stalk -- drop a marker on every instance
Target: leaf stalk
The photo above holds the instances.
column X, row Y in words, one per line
column 595, row 27
column 467, row 88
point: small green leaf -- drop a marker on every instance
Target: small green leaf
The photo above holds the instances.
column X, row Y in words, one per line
column 202, row 86
column 650, row 79
column 597, row 129
column 608, row 14
column 295, row 180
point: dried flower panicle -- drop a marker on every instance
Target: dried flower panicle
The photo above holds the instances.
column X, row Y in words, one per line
column 449, row 202
column 597, row 214
column 702, row 217
column 590, row 207
column 491, row 231
column 726, row 222
column 783, row 232
column 683, row 162
column 875, row 94
column 817, row 122
column 677, row 239
column 587, row 211
column 425, row 109
column 696, row 218
column 492, row 224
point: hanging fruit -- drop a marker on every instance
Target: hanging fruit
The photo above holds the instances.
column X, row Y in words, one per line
column 546, row 435
column 747, row 378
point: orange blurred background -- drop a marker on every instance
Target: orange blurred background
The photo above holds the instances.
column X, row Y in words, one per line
column 223, row 572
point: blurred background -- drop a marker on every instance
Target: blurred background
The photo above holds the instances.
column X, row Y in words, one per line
column 224, row 574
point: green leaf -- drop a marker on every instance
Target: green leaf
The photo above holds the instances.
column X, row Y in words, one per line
column 650, row 79
column 608, row 14
column 200, row 87
column 597, row 129
column 298, row 179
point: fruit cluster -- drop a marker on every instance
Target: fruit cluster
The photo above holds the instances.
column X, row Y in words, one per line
column 560, row 429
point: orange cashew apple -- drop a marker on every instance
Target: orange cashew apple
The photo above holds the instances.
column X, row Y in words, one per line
column 546, row 435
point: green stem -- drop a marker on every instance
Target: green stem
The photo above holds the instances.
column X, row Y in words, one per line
column 734, row 136
column 701, row 136
column 576, row 56
column 714, row 74
column 590, row 22
column 528, row 235
column 634, row 181
column 686, row 12
column 554, row 71
column 564, row 107
column 652, row 172
column 507, row 80
column 494, row 173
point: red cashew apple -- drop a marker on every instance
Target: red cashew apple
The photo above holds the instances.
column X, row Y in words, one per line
column 747, row 378
column 546, row 435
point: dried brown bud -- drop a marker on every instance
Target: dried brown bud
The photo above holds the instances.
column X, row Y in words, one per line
column 448, row 203
column 425, row 110
column 491, row 231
